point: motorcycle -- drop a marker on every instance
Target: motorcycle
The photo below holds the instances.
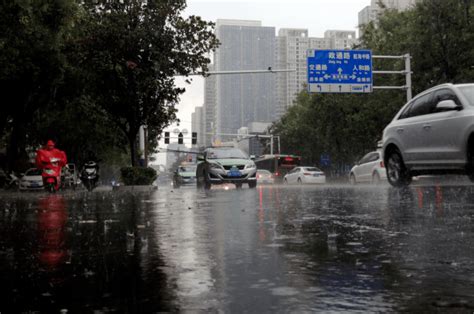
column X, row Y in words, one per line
column 90, row 175
column 12, row 181
column 52, row 174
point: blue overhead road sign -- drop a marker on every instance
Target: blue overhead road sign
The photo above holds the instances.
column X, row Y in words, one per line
column 339, row 71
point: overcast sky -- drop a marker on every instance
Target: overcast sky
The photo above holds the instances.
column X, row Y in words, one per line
column 315, row 15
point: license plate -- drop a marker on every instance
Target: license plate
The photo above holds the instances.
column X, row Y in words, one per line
column 316, row 175
column 234, row 173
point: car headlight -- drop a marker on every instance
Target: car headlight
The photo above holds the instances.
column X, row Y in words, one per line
column 250, row 166
column 215, row 166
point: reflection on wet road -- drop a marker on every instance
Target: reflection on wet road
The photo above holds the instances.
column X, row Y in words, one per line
column 270, row 249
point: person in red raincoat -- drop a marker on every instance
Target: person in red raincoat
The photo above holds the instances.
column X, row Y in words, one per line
column 52, row 158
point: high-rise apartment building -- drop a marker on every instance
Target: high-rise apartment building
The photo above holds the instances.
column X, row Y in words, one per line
column 198, row 125
column 244, row 98
column 209, row 108
column 340, row 39
column 371, row 12
column 292, row 45
column 233, row 101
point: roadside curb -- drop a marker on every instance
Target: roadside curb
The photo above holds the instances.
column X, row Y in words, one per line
column 135, row 188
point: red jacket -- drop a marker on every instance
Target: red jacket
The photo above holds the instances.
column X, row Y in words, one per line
column 43, row 157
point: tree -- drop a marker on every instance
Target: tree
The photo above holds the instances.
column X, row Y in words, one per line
column 32, row 36
column 438, row 35
column 134, row 51
column 344, row 126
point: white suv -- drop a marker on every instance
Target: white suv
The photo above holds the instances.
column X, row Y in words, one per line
column 432, row 134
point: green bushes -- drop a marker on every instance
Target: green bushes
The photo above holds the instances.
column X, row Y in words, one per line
column 138, row 175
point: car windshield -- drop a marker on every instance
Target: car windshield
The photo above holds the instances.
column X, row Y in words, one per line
column 311, row 169
column 33, row 172
column 468, row 92
column 226, row 154
column 187, row 169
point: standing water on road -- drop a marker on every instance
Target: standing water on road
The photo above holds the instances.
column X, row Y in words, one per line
column 274, row 248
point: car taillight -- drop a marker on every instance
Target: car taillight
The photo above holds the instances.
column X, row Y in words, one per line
column 307, row 173
column 258, row 176
column 381, row 164
column 277, row 174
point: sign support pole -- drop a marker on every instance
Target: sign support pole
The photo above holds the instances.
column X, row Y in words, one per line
column 407, row 73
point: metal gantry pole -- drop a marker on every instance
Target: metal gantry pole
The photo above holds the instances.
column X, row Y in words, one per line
column 407, row 73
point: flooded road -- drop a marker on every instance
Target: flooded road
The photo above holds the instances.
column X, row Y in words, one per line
column 269, row 249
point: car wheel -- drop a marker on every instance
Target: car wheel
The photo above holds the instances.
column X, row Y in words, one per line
column 252, row 184
column 397, row 173
column 375, row 178
column 238, row 185
column 352, row 179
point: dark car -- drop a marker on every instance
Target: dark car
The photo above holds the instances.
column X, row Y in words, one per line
column 184, row 174
column 225, row 165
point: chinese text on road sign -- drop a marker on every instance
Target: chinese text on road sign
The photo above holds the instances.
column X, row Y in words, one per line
column 339, row 71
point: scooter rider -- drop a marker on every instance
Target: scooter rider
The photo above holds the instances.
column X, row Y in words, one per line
column 48, row 153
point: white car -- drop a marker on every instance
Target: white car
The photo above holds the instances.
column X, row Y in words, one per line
column 305, row 175
column 432, row 134
column 31, row 180
column 370, row 169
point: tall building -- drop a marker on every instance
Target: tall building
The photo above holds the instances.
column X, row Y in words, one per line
column 371, row 12
column 198, row 126
column 340, row 39
column 232, row 101
column 244, row 98
column 291, row 54
column 209, row 108
column 292, row 44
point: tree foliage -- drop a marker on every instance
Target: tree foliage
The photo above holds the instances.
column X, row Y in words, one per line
column 134, row 51
column 438, row 34
column 88, row 74
column 32, row 37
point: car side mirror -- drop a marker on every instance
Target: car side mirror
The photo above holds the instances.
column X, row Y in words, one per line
column 446, row 105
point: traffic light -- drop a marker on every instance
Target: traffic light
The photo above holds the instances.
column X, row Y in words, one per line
column 167, row 137
column 194, row 139
column 180, row 138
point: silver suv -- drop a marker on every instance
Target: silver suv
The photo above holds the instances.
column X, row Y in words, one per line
column 432, row 134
